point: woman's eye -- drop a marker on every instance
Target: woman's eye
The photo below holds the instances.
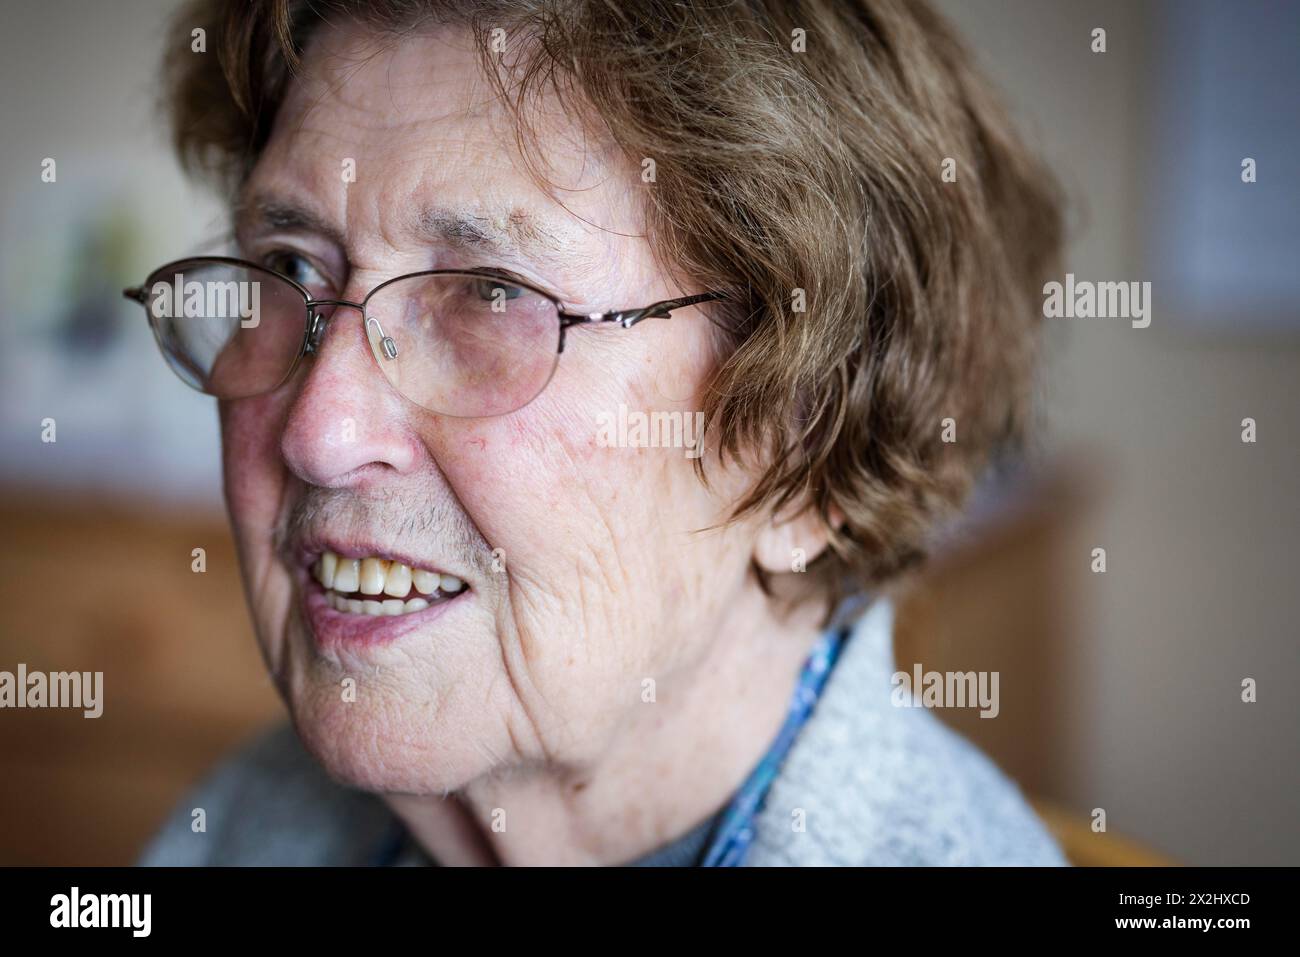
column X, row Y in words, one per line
column 297, row 268
column 487, row 290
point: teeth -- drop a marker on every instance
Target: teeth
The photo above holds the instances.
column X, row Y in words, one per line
column 347, row 575
column 325, row 569
column 373, row 571
column 377, row 576
column 426, row 583
column 398, row 582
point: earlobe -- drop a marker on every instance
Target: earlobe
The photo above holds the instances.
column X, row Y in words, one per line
column 791, row 544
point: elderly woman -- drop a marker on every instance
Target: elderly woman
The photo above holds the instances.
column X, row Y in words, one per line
column 586, row 373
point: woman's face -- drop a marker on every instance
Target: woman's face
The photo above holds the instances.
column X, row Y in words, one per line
column 585, row 568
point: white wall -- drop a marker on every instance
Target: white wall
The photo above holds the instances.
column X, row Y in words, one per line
column 80, row 85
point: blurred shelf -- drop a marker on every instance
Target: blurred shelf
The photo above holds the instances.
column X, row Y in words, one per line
column 88, row 587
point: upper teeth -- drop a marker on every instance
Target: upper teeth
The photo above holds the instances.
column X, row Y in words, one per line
column 378, row 576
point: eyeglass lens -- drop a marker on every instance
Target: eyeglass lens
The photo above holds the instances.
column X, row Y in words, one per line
column 456, row 344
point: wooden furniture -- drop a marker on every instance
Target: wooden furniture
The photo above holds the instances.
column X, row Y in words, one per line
column 92, row 588
column 1084, row 847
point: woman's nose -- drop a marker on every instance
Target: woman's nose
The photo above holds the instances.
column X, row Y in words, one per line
column 345, row 423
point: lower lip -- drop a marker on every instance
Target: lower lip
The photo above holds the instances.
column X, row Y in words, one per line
column 333, row 628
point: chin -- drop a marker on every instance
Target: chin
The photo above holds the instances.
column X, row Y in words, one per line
column 408, row 728
column 377, row 748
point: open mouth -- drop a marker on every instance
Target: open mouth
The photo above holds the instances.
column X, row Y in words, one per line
column 381, row 587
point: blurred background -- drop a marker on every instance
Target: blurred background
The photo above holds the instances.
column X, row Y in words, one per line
column 1120, row 691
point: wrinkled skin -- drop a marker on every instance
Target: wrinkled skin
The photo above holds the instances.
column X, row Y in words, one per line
column 525, row 704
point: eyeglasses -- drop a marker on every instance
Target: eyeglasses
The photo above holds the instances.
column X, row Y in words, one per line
column 469, row 343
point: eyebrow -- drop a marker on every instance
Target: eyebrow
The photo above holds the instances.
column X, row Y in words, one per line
column 506, row 231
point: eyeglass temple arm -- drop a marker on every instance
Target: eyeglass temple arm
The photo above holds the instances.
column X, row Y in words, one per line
column 630, row 317
column 136, row 293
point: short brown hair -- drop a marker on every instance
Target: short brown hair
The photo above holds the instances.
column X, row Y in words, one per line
column 784, row 178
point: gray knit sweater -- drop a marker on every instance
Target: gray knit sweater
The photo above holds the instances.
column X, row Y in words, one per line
column 866, row 783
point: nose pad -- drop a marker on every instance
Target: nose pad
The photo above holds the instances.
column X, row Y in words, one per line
column 386, row 342
column 316, row 324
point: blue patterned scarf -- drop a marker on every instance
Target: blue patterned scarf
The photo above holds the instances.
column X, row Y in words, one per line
column 735, row 831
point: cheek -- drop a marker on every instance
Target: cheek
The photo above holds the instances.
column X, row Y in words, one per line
column 512, row 476
column 253, row 470
column 541, row 486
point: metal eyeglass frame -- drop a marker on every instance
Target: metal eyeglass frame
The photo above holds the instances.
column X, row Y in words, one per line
column 315, row 324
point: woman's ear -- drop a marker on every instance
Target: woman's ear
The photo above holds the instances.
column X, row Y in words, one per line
column 793, row 541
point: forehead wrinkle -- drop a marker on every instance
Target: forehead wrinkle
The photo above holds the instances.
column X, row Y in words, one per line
column 493, row 230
